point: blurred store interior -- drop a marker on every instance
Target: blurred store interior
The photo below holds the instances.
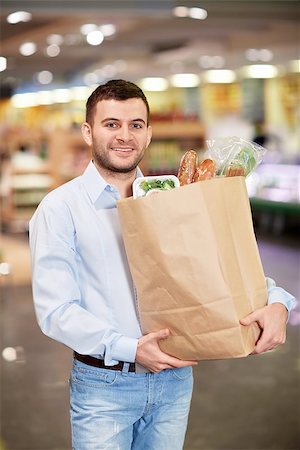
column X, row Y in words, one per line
column 209, row 69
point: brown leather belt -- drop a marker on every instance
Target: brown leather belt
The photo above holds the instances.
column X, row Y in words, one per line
column 95, row 362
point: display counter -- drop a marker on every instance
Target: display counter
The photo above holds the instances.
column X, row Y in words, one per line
column 274, row 191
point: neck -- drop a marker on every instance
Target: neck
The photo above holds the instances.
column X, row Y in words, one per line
column 122, row 181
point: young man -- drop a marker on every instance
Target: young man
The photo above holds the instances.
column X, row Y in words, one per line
column 125, row 392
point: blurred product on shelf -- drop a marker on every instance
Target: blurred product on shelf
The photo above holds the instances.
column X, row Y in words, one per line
column 169, row 141
column 26, row 181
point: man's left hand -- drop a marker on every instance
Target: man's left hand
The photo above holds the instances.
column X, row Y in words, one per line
column 272, row 320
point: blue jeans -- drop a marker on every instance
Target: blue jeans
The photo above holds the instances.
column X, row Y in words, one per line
column 128, row 411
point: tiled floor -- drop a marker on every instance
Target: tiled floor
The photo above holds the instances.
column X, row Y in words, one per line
column 244, row 404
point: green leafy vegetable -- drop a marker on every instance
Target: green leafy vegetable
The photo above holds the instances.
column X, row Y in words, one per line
column 157, row 184
column 246, row 159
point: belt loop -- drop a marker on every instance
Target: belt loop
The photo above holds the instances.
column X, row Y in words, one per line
column 125, row 368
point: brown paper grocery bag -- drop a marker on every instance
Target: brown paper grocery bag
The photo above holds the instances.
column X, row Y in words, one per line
column 195, row 263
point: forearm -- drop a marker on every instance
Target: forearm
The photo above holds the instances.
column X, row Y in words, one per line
column 60, row 308
column 80, row 330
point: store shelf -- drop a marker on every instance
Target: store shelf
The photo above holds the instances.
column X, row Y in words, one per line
column 29, row 181
column 277, row 183
column 180, row 130
column 170, row 139
column 68, row 155
column 274, row 191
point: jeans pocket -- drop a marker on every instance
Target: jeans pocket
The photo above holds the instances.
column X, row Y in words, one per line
column 182, row 373
column 94, row 377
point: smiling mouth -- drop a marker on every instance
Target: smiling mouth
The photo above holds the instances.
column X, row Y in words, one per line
column 123, row 150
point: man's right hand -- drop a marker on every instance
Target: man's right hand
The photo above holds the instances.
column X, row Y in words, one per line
column 150, row 356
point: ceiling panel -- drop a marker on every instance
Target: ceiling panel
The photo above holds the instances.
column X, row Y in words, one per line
column 148, row 37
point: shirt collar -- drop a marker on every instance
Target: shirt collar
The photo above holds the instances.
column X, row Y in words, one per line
column 94, row 183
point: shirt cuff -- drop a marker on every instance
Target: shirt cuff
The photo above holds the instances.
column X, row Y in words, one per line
column 278, row 295
column 124, row 349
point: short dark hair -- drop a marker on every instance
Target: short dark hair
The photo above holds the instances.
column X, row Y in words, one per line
column 114, row 90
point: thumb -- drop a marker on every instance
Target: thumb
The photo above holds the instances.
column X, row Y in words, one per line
column 162, row 334
column 249, row 319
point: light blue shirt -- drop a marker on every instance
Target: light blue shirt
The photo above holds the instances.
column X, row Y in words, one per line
column 82, row 287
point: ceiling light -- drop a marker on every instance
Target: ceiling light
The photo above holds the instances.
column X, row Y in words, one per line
column 108, row 29
column 95, row 37
column 24, row 100
column 61, row 95
column 109, row 70
column 205, row 61
column 55, row 39
column 197, row 13
column 210, row 62
column 120, row 65
column 80, row 92
column 19, row 16
column 260, row 71
column 220, row 76
column 96, row 77
column 252, row 54
column 3, row 63
column 181, row 11
column 218, row 61
column 91, row 78
column 4, row 270
column 9, row 354
column 45, row 97
column 44, row 77
column 53, row 50
column 185, row 80
column 265, row 55
column 295, row 65
column 154, row 84
column 27, row 48
column 88, row 28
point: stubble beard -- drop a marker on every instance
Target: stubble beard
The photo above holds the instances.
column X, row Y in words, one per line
column 104, row 162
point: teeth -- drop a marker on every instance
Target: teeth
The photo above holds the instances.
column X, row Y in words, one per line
column 123, row 149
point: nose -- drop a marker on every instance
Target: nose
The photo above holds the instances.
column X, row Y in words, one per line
column 124, row 133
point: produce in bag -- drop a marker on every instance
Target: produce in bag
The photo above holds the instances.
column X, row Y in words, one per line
column 144, row 186
column 235, row 156
column 229, row 157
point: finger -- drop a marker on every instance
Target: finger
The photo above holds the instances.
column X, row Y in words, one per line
column 264, row 345
column 161, row 367
column 176, row 362
column 253, row 317
column 157, row 367
column 270, row 340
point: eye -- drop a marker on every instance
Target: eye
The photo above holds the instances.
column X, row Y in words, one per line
column 111, row 125
column 137, row 125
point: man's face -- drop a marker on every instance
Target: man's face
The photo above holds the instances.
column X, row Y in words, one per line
column 119, row 134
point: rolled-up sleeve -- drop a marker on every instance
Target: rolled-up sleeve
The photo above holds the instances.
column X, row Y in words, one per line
column 277, row 294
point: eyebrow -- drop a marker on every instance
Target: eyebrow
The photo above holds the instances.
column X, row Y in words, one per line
column 107, row 119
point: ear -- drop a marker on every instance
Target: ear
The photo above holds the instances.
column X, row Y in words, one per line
column 86, row 131
column 149, row 135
